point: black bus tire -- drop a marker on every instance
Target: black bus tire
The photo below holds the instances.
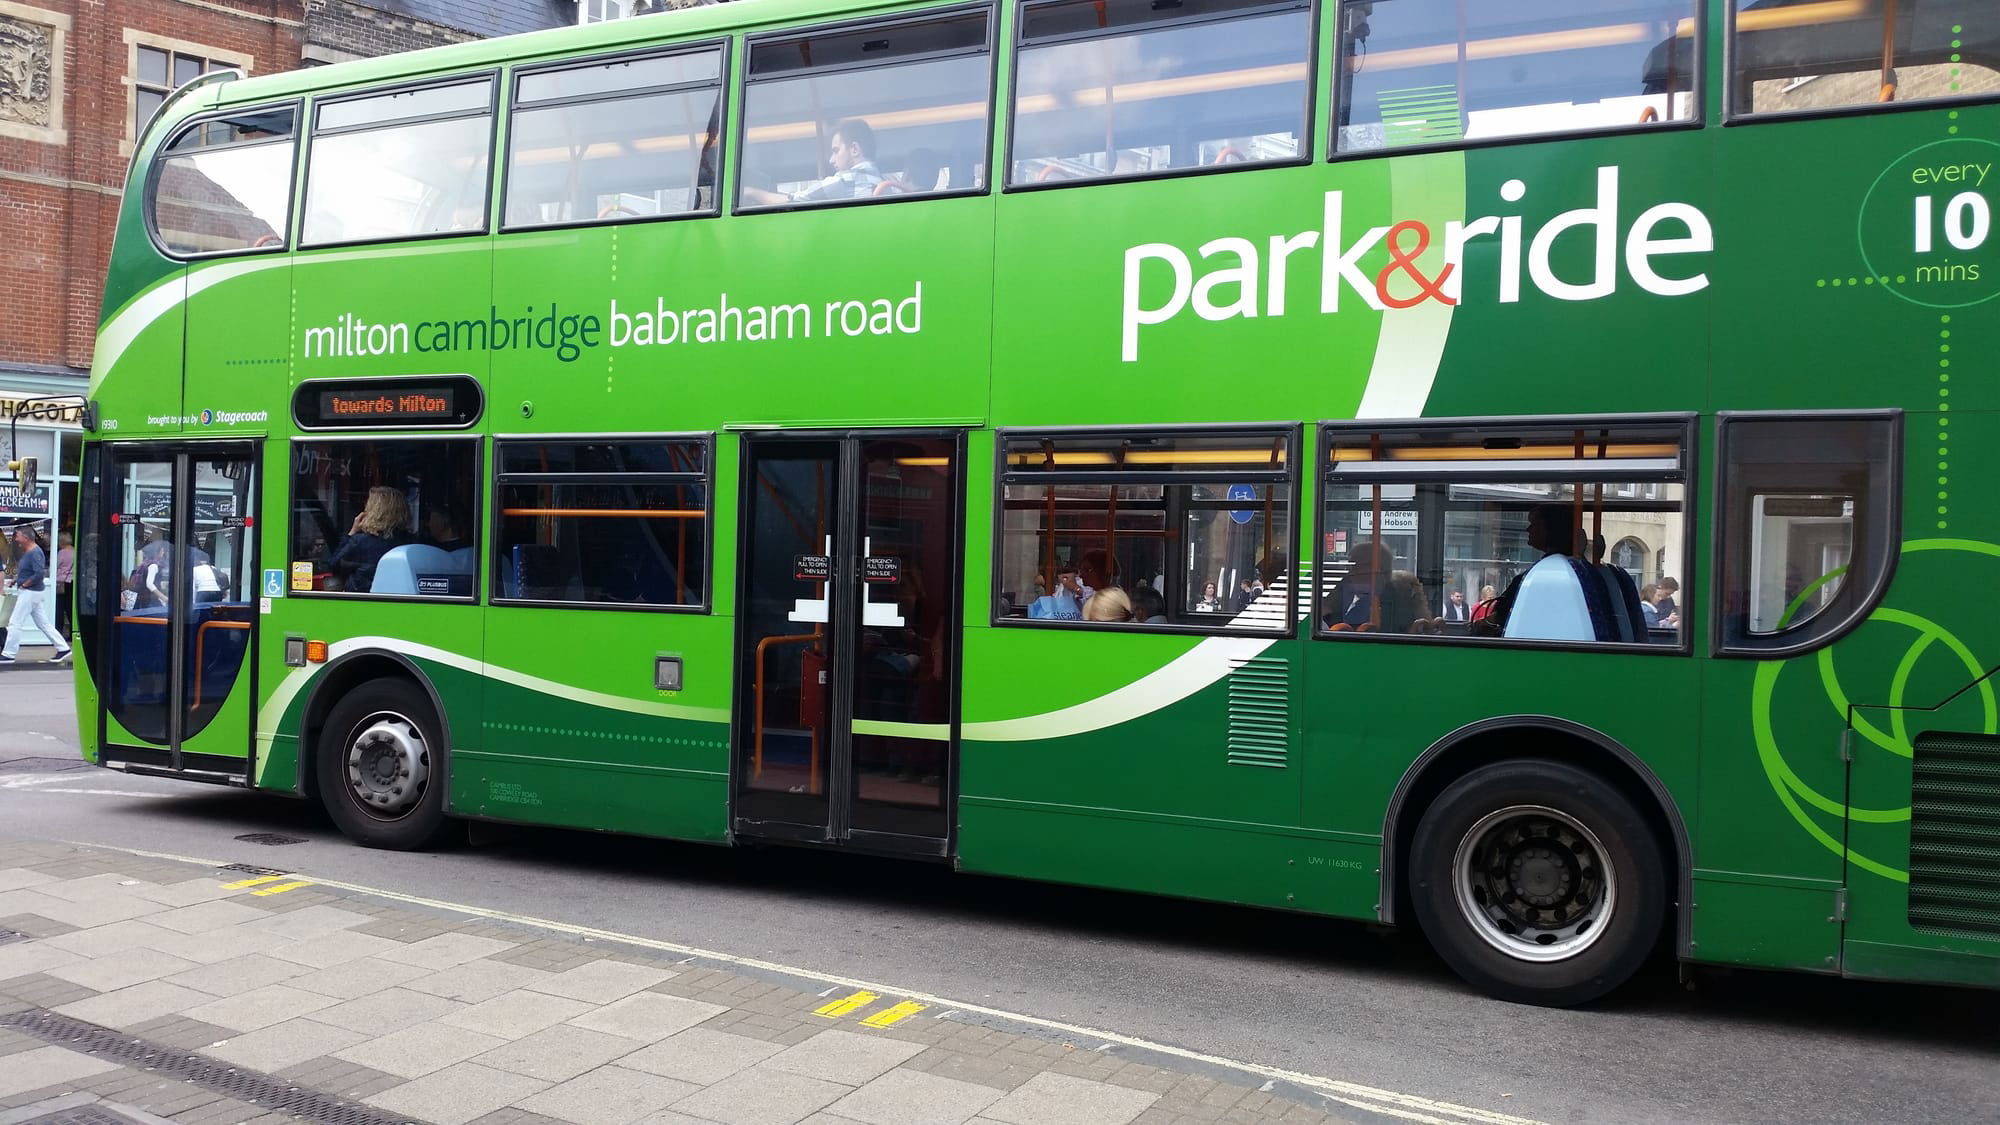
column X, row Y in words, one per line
column 1538, row 882
column 379, row 764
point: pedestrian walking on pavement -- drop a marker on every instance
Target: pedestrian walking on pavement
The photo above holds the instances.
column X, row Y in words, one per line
column 31, row 603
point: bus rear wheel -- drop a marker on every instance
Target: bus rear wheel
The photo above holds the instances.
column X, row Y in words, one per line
column 378, row 766
column 1538, row 882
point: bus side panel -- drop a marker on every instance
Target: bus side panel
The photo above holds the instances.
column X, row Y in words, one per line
column 650, row 334
column 575, row 733
column 1109, row 759
column 239, row 341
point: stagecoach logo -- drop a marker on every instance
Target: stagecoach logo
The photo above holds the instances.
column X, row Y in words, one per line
column 1161, row 280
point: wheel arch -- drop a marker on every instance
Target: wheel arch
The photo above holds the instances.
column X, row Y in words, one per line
column 342, row 675
column 1501, row 738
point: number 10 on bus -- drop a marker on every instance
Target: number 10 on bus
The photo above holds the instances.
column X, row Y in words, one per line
column 1968, row 219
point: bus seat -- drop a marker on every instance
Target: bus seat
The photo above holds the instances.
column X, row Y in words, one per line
column 1554, row 603
column 397, row 572
column 537, row 572
column 1625, row 604
column 460, row 561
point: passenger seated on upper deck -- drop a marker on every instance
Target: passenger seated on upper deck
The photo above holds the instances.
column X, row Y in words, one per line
column 1376, row 596
column 854, row 173
column 1548, row 532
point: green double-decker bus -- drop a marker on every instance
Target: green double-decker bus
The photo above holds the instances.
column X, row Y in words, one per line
column 1503, row 467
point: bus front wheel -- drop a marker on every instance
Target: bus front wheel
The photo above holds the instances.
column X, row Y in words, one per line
column 378, row 766
column 1538, row 882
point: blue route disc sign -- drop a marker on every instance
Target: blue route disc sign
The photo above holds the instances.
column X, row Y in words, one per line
column 1241, row 492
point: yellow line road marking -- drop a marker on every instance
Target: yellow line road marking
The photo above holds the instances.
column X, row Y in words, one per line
column 890, row 1016
column 281, row 888
column 251, row 882
column 851, row 1003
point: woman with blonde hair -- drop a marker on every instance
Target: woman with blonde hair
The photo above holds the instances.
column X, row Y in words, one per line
column 1108, row 604
column 383, row 523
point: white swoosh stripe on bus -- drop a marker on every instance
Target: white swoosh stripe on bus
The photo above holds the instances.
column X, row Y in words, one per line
column 139, row 313
column 294, row 683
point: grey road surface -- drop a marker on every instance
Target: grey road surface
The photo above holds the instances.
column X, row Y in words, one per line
column 1329, row 998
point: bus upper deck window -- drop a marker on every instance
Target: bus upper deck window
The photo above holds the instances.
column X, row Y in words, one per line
column 629, row 138
column 1137, row 87
column 400, row 164
column 1826, row 54
column 1427, row 72
column 881, row 111
column 225, row 184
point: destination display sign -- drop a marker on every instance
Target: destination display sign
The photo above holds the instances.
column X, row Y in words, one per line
column 446, row 402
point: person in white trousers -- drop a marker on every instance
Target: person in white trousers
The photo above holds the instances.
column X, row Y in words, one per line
column 31, row 598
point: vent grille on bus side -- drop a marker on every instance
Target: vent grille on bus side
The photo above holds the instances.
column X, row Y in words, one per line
column 1260, row 712
column 1955, row 834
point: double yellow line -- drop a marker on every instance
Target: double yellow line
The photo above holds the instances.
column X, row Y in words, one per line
column 260, row 881
column 854, row 1002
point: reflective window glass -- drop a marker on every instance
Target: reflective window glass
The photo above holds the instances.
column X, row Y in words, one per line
column 1437, row 71
column 1150, row 88
column 891, row 110
column 1807, row 526
column 611, row 522
column 1828, row 54
column 385, row 517
column 1516, row 533
column 597, row 155
column 398, row 182
column 226, row 185
column 1147, row 529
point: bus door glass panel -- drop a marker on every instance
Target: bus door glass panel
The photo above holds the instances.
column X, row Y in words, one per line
column 785, row 615
column 138, row 556
column 903, row 661
column 219, row 561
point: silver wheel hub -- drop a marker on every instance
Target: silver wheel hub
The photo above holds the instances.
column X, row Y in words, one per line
column 388, row 765
column 1534, row 883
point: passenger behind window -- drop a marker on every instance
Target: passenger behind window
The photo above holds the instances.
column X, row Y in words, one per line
column 855, row 175
column 1096, row 571
column 1548, row 532
column 1210, row 602
column 1108, row 604
column 441, row 530
column 1148, row 607
column 383, row 523
column 1376, row 597
column 1064, row 603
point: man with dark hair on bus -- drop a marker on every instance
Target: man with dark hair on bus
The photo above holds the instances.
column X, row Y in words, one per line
column 1551, row 533
column 855, row 175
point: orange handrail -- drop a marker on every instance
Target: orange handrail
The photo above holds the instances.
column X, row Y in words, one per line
column 199, row 639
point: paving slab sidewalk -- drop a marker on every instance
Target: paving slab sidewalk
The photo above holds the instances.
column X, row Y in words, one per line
column 166, row 990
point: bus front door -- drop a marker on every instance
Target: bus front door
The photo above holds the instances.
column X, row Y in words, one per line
column 848, row 609
column 174, row 615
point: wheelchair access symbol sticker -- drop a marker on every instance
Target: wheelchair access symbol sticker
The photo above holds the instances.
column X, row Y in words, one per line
column 274, row 583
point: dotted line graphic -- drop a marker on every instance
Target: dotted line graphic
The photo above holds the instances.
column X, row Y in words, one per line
column 610, row 736
column 1944, row 417
column 1956, row 30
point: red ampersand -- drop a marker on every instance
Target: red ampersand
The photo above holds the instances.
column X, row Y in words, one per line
column 1402, row 261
